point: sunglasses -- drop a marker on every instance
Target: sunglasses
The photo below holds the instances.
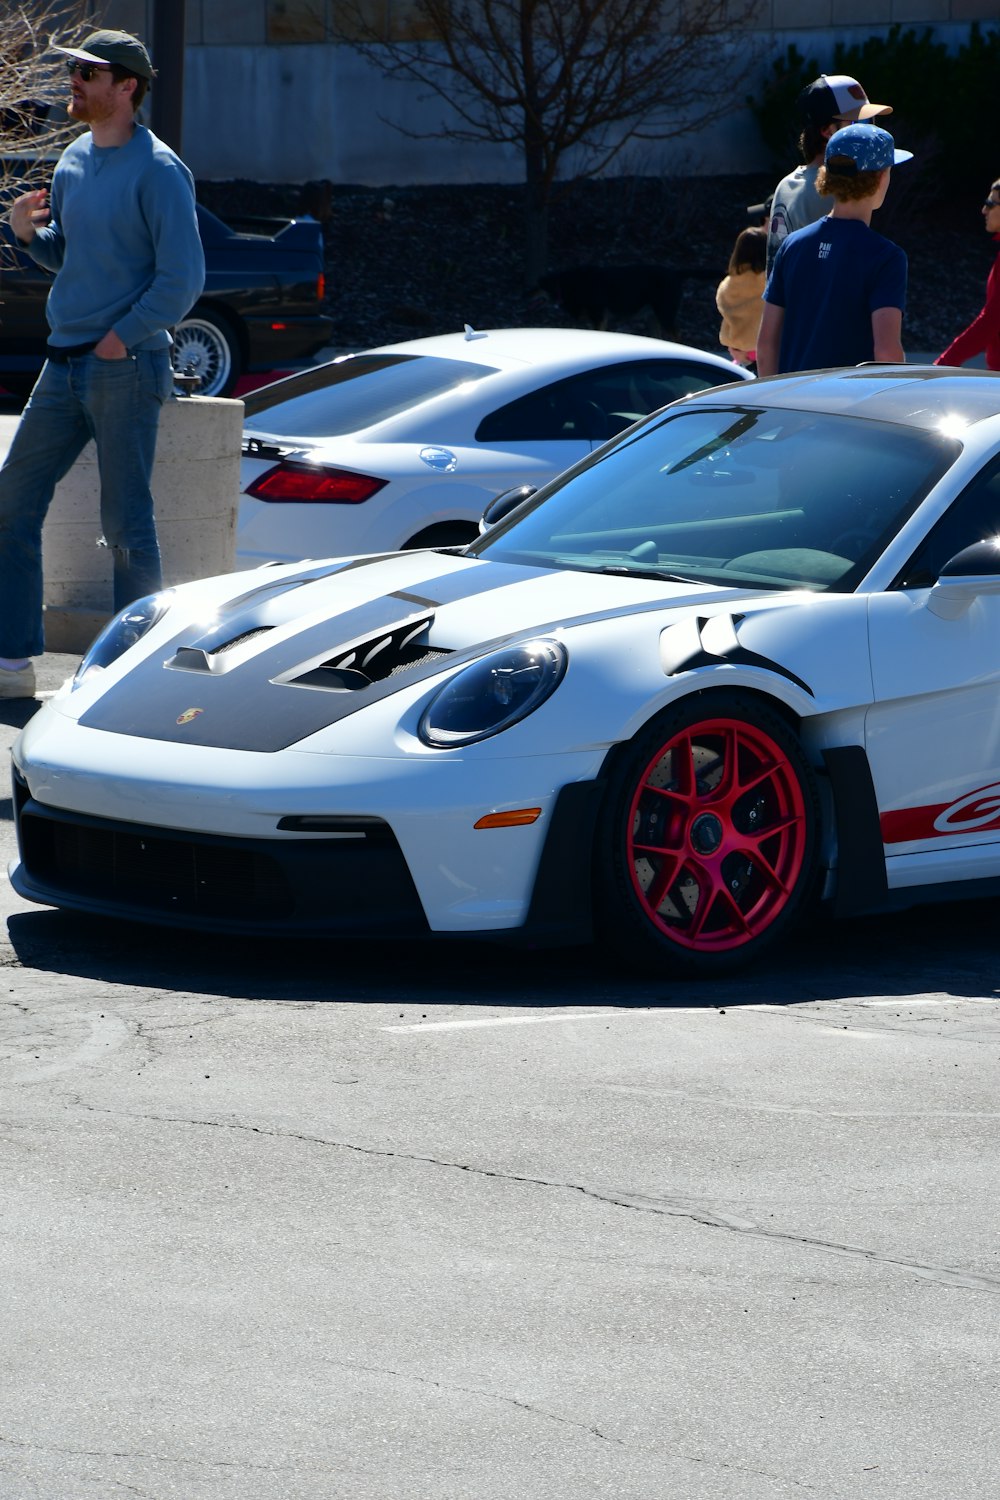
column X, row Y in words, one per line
column 87, row 71
column 992, row 203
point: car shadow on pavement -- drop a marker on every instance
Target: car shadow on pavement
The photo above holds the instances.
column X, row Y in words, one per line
column 905, row 954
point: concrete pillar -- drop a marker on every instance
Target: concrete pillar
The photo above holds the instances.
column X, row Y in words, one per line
column 196, row 487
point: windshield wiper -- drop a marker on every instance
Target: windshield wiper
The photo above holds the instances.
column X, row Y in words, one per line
column 724, row 439
column 619, row 570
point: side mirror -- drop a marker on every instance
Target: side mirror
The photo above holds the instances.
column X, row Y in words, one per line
column 967, row 576
column 501, row 505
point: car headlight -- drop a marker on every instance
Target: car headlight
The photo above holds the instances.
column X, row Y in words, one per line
column 127, row 627
column 493, row 694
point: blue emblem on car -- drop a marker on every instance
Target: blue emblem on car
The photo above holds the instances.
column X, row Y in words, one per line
column 439, row 458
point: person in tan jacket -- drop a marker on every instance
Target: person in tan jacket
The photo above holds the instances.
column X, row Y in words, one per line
column 739, row 296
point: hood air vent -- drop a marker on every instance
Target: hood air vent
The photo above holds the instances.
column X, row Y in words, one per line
column 210, row 658
column 388, row 654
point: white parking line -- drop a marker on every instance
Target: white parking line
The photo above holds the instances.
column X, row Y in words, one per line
column 904, row 1002
column 908, row 1002
column 585, row 1015
column 651, row 1012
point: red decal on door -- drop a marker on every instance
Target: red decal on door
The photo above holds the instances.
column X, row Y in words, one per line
column 976, row 812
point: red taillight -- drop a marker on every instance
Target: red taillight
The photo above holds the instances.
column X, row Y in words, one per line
column 320, row 286
column 311, row 482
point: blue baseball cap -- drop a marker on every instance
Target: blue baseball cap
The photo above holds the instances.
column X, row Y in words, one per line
column 863, row 148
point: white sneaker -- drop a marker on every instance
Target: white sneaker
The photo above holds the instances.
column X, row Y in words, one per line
column 17, row 684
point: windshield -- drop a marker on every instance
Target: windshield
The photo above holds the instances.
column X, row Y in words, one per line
column 743, row 497
column 354, row 392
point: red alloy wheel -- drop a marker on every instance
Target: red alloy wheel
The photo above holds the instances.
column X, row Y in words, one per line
column 718, row 835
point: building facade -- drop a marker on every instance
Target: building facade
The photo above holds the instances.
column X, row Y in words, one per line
column 268, row 96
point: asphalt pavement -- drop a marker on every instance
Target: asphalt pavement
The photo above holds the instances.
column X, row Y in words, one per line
column 349, row 1221
column 335, row 1221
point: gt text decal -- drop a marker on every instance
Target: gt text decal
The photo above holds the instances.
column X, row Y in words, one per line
column 976, row 812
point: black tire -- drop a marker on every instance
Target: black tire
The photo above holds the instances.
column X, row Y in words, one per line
column 706, row 848
column 444, row 534
column 206, row 344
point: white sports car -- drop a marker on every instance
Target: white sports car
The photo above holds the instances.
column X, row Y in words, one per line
column 405, row 445
column 744, row 656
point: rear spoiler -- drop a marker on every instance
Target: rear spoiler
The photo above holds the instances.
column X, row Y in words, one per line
column 293, row 233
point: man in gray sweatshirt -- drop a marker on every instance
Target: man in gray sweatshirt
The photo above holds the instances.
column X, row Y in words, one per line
column 120, row 232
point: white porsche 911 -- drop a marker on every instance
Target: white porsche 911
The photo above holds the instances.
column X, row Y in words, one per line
column 745, row 656
column 405, row 445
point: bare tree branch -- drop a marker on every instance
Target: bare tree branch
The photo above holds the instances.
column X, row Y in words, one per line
column 34, row 127
column 569, row 82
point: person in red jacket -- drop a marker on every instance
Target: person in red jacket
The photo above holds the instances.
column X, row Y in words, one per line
column 983, row 333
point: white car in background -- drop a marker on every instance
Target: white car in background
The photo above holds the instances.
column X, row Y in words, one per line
column 405, row 445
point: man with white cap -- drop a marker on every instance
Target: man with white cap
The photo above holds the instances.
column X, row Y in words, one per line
column 831, row 101
column 120, row 232
column 837, row 289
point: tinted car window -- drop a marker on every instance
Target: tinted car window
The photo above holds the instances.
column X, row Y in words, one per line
column 597, row 404
column 973, row 517
column 354, row 392
column 738, row 496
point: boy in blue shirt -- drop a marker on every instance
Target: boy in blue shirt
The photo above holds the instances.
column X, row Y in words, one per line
column 121, row 235
column 837, row 289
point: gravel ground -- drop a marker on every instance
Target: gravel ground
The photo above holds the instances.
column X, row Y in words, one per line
column 403, row 262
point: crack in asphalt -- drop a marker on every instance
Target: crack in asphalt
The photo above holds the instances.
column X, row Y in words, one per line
column 446, row 1386
column 719, row 1463
column 541, row 1411
column 471, row 1390
column 24, row 1446
column 92, row 1037
column 671, row 1208
column 119, row 1485
column 141, row 1457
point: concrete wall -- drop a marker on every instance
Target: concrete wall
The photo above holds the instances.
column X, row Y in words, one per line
column 196, row 484
column 294, row 112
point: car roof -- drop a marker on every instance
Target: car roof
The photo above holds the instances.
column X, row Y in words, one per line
column 508, row 348
column 921, row 396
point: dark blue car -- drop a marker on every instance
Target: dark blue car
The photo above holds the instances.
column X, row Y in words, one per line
column 263, row 306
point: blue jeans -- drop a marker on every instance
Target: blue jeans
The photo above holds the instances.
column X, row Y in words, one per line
column 117, row 403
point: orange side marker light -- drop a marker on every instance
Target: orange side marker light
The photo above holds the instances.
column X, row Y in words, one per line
column 514, row 819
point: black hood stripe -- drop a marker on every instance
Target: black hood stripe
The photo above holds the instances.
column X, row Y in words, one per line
column 256, row 703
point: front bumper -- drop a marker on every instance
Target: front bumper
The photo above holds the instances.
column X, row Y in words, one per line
column 351, row 881
column 156, row 832
column 347, row 882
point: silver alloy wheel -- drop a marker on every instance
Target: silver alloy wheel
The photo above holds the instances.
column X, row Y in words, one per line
column 204, row 348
